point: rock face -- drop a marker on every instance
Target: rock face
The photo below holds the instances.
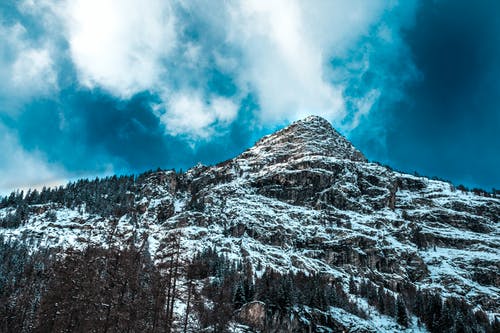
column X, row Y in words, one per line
column 305, row 200
column 253, row 314
column 313, row 136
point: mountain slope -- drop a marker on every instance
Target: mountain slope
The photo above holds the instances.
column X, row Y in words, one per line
column 301, row 205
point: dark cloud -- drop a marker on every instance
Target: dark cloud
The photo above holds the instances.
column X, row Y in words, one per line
column 447, row 125
column 420, row 91
column 86, row 131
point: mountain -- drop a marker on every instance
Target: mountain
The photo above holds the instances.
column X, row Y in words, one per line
column 300, row 233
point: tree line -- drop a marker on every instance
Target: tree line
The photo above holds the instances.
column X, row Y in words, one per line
column 122, row 290
column 232, row 284
column 96, row 290
column 109, row 196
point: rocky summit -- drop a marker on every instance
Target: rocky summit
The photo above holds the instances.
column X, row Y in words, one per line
column 300, row 233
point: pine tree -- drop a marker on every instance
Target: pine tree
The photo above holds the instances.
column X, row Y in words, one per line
column 239, row 296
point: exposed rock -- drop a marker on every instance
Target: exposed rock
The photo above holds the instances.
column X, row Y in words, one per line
column 304, row 199
column 253, row 314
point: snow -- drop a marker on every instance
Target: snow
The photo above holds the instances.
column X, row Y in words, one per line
column 289, row 237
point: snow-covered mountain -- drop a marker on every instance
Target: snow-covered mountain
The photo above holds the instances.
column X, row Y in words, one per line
column 301, row 213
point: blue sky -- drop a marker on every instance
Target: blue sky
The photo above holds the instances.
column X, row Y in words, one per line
column 93, row 87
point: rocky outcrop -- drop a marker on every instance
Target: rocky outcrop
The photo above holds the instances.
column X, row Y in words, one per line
column 305, row 200
column 253, row 314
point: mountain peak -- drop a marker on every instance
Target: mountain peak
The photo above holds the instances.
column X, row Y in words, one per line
column 314, row 120
column 295, row 205
column 311, row 136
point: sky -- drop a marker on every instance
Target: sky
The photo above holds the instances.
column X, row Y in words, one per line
column 99, row 87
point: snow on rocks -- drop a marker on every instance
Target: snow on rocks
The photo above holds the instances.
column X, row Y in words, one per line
column 304, row 199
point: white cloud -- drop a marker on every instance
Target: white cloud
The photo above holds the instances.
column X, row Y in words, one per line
column 22, row 169
column 283, row 65
column 278, row 50
column 27, row 69
column 287, row 45
column 120, row 45
column 283, row 47
column 33, row 70
column 190, row 115
column 224, row 109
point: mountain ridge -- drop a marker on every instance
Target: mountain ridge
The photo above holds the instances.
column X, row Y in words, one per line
column 300, row 201
column 312, row 135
